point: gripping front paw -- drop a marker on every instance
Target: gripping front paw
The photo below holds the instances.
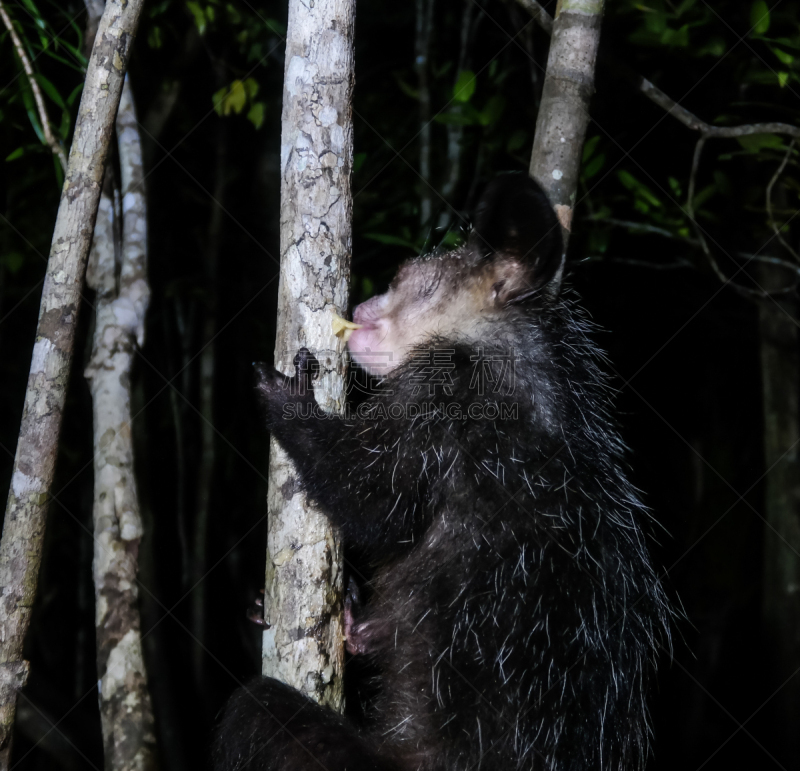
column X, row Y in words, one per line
column 306, row 369
column 276, row 391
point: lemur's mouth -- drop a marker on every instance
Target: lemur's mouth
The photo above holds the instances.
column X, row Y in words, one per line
column 343, row 328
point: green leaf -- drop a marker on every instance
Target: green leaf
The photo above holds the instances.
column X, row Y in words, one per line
column 18, row 153
column 251, row 88
column 275, row 26
column 492, row 110
column 210, row 13
column 783, row 56
column 236, row 98
column 465, row 86
column 759, row 17
column 358, row 161
column 589, row 148
column 34, row 11
column 683, row 7
column 755, row 143
column 33, row 115
column 230, row 99
column 218, row 100
column 234, row 17
column 714, row 47
column 456, row 118
column 594, row 166
column 598, row 240
column 74, row 94
column 722, row 182
column 516, row 140
column 50, row 90
column 783, row 78
column 641, row 190
column 256, row 114
column 154, row 37
column 13, row 261
column 405, row 88
column 199, row 16
column 676, row 37
column 443, row 69
column 383, row 238
column 452, row 239
column 76, row 52
column 64, row 127
column 655, row 21
column 704, row 195
column 675, row 186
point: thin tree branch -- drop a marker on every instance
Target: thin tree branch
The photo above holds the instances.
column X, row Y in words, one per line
column 52, row 142
column 690, row 120
column 125, row 706
column 655, row 94
column 698, row 151
column 707, row 131
column 770, row 212
column 540, row 16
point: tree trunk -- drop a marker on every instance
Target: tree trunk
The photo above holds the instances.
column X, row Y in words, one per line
column 564, row 111
column 303, row 603
column 23, row 531
column 781, row 598
column 125, row 709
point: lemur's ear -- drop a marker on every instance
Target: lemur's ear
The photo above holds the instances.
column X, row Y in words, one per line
column 514, row 219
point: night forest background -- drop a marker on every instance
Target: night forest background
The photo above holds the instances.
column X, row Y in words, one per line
column 685, row 347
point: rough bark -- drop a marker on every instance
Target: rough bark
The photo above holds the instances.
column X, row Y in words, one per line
column 564, row 111
column 781, row 599
column 303, row 646
column 32, row 476
column 125, row 709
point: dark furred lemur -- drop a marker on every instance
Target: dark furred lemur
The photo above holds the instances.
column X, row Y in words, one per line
column 516, row 616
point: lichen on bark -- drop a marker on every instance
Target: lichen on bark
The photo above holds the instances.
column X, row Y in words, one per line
column 303, row 645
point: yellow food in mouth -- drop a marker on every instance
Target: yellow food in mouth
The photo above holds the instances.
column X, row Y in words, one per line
column 343, row 328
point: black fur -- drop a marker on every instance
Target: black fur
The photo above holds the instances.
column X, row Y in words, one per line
column 514, row 217
column 516, row 615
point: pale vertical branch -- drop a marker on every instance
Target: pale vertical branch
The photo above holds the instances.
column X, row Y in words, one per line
column 55, row 146
column 34, row 464
column 125, row 709
column 776, row 228
column 303, row 600
column 540, row 16
column 564, row 111
column 422, row 54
